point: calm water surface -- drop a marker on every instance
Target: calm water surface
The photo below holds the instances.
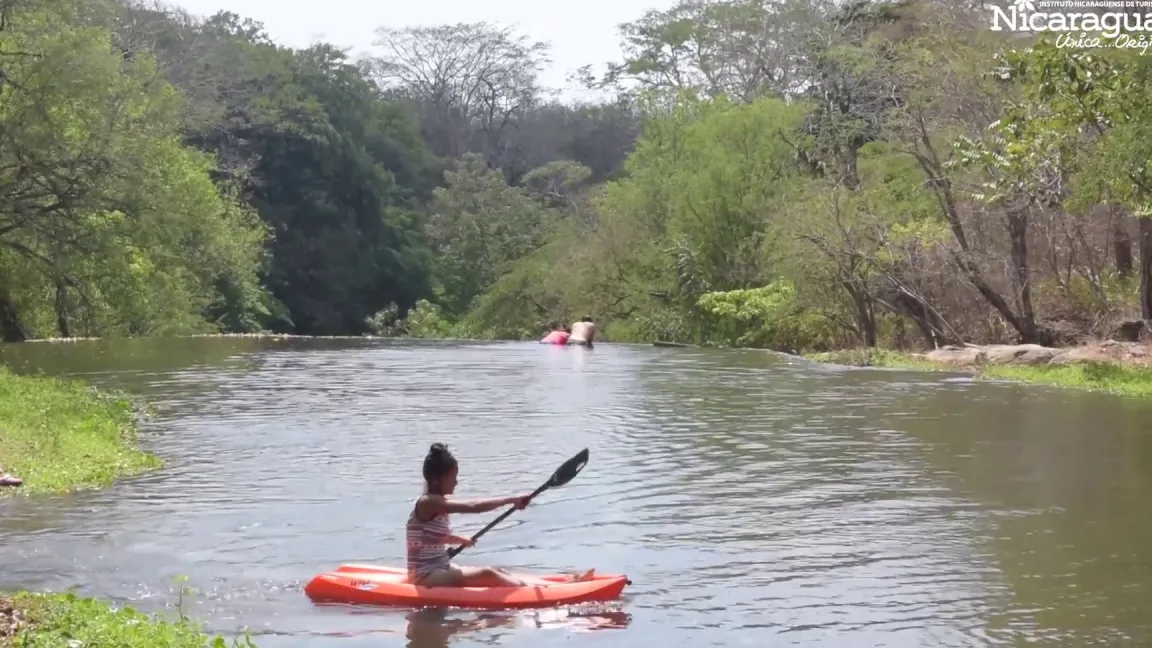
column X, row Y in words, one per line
column 752, row 500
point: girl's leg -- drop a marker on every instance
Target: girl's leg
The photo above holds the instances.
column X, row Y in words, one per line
column 460, row 576
column 489, row 577
column 570, row 578
column 495, row 577
column 447, row 577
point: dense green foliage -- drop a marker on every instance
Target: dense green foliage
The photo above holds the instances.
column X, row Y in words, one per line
column 109, row 224
column 813, row 177
column 801, row 176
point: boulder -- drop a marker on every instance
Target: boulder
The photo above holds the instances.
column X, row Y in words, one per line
column 1084, row 354
column 1130, row 331
column 965, row 356
column 1020, row 354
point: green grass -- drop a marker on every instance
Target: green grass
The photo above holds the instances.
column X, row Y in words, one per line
column 61, row 434
column 1127, row 380
column 1094, row 376
column 61, row 620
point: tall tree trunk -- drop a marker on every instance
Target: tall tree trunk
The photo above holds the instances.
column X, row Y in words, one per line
column 62, row 309
column 930, row 163
column 1121, row 243
column 1145, row 268
column 1018, row 232
column 865, row 312
column 10, row 328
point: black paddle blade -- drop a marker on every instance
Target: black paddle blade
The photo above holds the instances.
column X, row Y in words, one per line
column 569, row 470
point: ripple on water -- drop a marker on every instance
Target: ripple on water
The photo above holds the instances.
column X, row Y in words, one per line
column 751, row 500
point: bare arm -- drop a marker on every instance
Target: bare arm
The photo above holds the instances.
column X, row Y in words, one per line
column 436, row 504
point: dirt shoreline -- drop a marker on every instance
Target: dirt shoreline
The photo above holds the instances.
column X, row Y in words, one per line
column 1124, row 354
column 1121, row 368
column 11, row 621
column 969, row 356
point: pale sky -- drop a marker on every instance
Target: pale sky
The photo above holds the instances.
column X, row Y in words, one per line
column 580, row 32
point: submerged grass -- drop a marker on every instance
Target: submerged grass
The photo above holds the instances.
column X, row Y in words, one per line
column 61, row 434
column 1126, row 380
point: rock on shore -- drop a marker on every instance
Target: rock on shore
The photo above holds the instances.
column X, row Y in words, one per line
column 1110, row 351
column 11, row 620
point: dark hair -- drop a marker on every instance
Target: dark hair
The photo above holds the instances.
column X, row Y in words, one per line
column 587, row 318
column 438, row 462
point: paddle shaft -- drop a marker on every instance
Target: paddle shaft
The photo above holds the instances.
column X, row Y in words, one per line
column 564, row 474
column 454, row 551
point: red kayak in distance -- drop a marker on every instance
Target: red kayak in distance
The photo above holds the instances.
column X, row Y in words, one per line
column 388, row 586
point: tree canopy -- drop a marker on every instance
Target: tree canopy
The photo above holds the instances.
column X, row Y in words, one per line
column 797, row 175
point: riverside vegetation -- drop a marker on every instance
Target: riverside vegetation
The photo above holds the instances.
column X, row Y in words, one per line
column 1107, row 367
column 804, row 176
column 54, row 620
column 63, row 435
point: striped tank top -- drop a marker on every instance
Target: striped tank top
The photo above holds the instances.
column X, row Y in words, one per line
column 426, row 548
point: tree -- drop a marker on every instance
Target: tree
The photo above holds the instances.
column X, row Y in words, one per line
column 338, row 174
column 470, row 84
column 1097, row 100
column 596, row 136
column 479, row 226
column 742, row 49
column 106, row 221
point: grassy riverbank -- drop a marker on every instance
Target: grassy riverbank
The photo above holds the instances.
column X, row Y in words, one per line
column 1123, row 379
column 62, row 434
column 55, row 620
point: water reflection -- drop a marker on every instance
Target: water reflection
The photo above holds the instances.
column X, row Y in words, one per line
column 130, row 356
column 841, row 524
column 435, row 628
column 432, row 628
column 1072, row 533
column 752, row 499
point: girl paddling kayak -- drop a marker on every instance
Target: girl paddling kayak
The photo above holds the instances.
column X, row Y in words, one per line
column 429, row 530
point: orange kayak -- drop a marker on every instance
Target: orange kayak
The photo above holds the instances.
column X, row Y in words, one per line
column 375, row 585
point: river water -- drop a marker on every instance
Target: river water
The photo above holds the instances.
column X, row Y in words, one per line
column 752, row 499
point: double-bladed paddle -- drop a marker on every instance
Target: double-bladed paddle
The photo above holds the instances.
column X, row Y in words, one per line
column 564, row 474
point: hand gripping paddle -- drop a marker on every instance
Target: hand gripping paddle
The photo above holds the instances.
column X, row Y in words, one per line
column 564, row 474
